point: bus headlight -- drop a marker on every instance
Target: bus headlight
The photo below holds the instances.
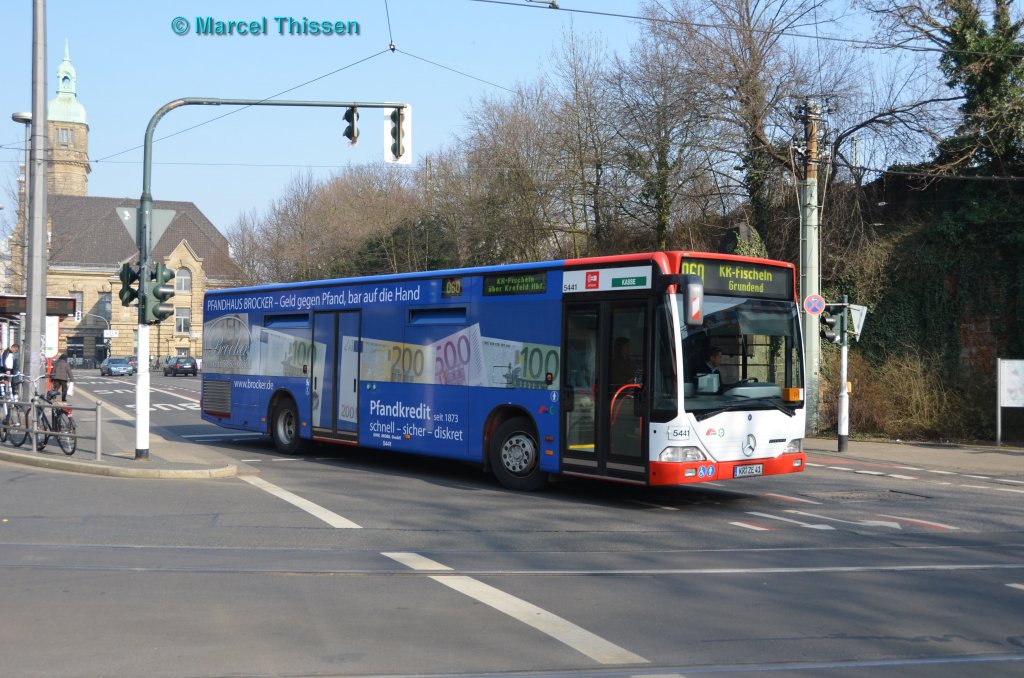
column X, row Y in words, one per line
column 676, row 454
column 795, row 446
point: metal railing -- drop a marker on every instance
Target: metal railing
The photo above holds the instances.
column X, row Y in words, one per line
column 35, row 431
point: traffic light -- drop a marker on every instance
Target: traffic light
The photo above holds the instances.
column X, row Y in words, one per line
column 129, row 276
column 352, row 131
column 158, row 291
column 833, row 320
column 398, row 132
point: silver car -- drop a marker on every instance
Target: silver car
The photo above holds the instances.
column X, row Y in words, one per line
column 116, row 367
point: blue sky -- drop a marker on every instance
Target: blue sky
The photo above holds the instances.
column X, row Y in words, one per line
column 130, row 62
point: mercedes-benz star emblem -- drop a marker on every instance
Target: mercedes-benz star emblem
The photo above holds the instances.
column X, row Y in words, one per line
column 749, row 444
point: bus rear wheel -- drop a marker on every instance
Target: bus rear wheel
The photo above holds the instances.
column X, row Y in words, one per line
column 284, row 427
column 515, row 456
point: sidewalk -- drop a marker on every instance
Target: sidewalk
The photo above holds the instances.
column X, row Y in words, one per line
column 977, row 459
column 167, row 458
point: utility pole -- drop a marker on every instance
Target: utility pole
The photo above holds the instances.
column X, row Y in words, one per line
column 810, row 273
column 843, row 427
column 35, row 293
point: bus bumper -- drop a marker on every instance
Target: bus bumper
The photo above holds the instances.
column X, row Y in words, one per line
column 683, row 473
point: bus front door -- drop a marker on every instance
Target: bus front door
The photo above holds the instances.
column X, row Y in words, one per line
column 335, row 387
column 602, row 395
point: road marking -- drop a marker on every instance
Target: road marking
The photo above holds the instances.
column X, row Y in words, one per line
column 651, row 505
column 866, row 523
column 329, row 517
column 926, row 523
column 562, row 630
column 1007, row 480
column 944, row 473
column 870, row 473
column 897, row 475
column 750, row 526
column 1009, row 489
column 813, row 526
column 415, row 561
column 1016, row 586
column 976, row 487
column 785, row 497
column 978, row 477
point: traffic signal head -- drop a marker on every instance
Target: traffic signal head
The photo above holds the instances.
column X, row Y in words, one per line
column 397, row 132
column 352, row 130
column 129, row 276
column 158, row 292
column 833, row 323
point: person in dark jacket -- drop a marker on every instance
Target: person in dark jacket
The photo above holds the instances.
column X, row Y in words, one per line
column 61, row 375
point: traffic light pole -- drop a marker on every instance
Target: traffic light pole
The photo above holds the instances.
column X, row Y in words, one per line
column 843, row 426
column 144, row 228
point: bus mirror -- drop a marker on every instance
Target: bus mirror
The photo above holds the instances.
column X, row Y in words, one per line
column 693, row 287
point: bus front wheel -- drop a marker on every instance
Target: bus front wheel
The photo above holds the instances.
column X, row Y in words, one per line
column 515, row 456
column 284, row 428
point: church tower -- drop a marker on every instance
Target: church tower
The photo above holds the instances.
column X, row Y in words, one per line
column 69, row 135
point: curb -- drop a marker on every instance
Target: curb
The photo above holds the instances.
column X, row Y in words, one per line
column 228, row 471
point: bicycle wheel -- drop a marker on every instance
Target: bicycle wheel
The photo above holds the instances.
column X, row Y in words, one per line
column 19, row 417
column 42, row 430
column 65, row 425
column 5, row 425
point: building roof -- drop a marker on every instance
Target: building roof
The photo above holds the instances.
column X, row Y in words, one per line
column 92, row 231
column 65, row 107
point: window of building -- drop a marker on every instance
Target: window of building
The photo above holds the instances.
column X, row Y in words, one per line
column 182, row 320
column 183, row 280
column 76, row 348
column 63, row 132
column 103, row 306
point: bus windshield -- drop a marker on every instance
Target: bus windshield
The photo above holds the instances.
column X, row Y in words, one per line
column 745, row 353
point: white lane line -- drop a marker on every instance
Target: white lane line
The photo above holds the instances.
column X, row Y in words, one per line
column 329, row 517
column 943, row 473
column 562, row 630
column 1008, row 480
column 652, row 505
column 978, row 477
column 1009, row 489
column 786, row 497
column 750, row 526
column 870, row 473
column 1016, row 586
column 926, row 523
column 902, row 477
column 813, row 526
column 838, row 468
column 415, row 561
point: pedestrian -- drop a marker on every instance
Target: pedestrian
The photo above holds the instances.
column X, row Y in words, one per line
column 61, row 375
column 8, row 367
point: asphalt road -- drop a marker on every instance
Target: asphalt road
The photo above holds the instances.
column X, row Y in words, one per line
column 353, row 562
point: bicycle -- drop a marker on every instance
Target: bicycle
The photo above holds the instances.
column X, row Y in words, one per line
column 60, row 423
column 15, row 413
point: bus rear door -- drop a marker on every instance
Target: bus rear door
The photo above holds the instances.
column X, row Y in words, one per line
column 335, row 387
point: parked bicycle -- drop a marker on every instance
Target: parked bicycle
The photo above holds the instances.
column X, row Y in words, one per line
column 13, row 414
column 50, row 422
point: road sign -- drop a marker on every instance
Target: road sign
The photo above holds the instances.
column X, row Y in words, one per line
column 111, row 334
column 814, row 304
column 857, row 314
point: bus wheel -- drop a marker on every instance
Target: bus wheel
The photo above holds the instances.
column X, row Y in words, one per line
column 284, row 427
column 515, row 456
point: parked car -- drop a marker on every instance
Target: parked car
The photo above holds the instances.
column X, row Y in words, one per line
column 116, row 367
column 181, row 364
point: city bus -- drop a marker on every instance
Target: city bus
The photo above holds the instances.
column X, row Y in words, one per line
column 594, row 368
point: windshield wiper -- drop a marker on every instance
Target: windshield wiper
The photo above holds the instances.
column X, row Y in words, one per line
column 743, row 403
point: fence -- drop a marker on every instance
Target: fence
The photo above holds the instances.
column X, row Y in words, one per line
column 35, row 432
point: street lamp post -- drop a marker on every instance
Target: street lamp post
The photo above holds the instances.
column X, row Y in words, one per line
column 106, row 340
column 25, row 119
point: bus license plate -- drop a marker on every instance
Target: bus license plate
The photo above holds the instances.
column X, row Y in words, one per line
column 747, row 470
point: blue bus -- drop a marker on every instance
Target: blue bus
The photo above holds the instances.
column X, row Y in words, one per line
column 666, row 368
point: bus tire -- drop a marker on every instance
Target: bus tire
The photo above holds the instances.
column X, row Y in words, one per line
column 515, row 456
column 284, row 427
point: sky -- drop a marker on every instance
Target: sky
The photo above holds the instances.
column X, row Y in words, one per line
column 130, row 62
